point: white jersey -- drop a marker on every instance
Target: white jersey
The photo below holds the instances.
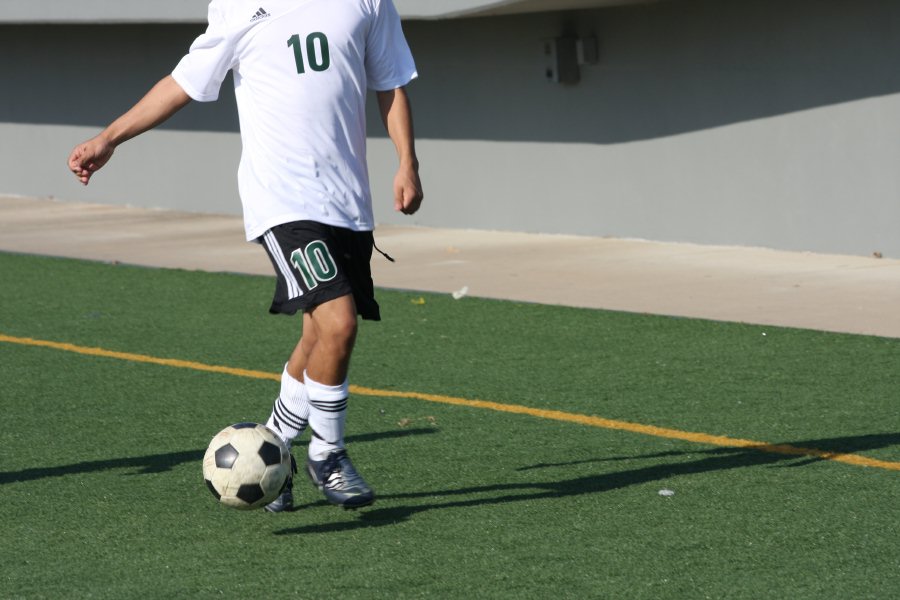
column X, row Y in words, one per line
column 301, row 72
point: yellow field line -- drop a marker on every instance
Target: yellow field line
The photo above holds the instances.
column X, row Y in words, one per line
column 556, row 415
column 141, row 358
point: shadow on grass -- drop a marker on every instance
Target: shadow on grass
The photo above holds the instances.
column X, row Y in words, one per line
column 716, row 459
column 156, row 463
column 160, row 463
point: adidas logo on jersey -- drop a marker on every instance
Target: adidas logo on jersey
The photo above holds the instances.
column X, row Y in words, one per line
column 260, row 14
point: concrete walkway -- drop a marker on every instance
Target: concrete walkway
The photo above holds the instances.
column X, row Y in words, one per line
column 827, row 292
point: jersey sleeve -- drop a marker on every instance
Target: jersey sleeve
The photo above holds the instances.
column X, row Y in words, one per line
column 201, row 72
column 389, row 62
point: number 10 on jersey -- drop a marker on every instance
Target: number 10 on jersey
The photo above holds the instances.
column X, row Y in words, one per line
column 317, row 56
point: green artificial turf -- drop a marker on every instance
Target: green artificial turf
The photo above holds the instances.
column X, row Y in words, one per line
column 101, row 494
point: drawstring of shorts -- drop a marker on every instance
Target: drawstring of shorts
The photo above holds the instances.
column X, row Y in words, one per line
column 382, row 252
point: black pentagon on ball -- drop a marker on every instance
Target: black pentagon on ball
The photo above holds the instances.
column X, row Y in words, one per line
column 225, row 456
column 213, row 489
column 270, row 454
column 250, row 493
column 243, row 426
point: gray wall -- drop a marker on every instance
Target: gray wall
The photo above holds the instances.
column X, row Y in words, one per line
column 770, row 123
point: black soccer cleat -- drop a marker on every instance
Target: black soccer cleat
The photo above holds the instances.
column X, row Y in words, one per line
column 285, row 500
column 339, row 481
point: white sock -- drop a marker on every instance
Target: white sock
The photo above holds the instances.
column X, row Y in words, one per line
column 328, row 411
column 290, row 414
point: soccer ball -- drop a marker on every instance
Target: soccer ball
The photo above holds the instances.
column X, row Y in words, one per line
column 246, row 465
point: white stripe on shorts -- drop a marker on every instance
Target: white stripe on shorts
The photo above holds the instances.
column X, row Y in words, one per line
column 294, row 290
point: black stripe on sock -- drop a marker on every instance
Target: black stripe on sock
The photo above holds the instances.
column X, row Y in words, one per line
column 317, row 436
column 337, row 406
column 289, row 417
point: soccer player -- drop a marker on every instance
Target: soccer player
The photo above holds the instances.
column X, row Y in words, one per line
column 301, row 70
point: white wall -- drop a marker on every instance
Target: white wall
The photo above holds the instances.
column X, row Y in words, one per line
column 744, row 184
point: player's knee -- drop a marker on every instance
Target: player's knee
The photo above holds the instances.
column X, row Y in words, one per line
column 341, row 332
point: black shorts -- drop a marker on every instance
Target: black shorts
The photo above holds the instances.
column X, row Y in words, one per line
column 315, row 263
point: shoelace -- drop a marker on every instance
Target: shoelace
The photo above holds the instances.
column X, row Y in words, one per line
column 336, row 473
column 334, row 481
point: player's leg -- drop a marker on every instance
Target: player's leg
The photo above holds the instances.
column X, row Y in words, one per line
column 290, row 413
column 328, row 362
column 300, row 356
column 329, row 467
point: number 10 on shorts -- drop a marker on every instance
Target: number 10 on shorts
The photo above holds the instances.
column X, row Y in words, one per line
column 315, row 264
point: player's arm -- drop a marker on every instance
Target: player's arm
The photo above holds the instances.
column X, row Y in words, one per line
column 397, row 116
column 160, row 103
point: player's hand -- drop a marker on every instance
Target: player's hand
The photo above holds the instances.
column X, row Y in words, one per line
column 89, row 157
column 407, row 190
